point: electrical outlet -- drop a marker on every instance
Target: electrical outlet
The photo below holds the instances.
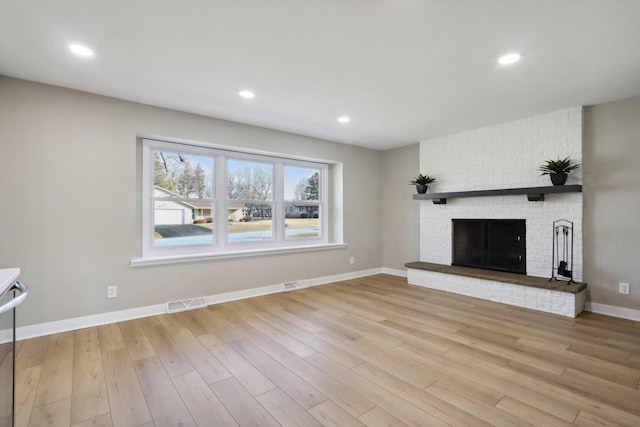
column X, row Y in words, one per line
column 623, row 288
column 112, row 291
column 352, row 260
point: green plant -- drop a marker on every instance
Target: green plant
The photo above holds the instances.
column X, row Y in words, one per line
column 565, row 165
column 422, row 180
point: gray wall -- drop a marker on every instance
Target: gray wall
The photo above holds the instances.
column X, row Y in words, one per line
column 612, row 201
column 69, row 218
column 400, row 213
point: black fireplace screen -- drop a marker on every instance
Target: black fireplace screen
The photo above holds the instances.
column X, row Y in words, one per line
column 492, row 244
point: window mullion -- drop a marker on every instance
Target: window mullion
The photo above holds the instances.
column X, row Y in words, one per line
column 221, row 204
column 278, row 204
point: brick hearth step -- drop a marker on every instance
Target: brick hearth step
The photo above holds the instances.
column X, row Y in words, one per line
column 536, row 293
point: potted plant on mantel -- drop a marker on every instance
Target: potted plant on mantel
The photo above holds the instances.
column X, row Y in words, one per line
column 422, row 183
column 558, row 169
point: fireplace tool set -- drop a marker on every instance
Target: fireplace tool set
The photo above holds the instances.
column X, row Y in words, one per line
column 562, row 258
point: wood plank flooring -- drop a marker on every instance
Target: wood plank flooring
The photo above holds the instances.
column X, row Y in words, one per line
column 366, row 352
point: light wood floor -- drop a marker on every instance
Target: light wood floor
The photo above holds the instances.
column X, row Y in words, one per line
column 372, row 351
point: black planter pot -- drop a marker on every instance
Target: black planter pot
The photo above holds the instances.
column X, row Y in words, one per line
column 421, row 189
column 558, row 178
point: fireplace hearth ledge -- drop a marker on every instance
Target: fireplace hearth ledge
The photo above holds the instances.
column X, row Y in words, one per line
column 530, row 292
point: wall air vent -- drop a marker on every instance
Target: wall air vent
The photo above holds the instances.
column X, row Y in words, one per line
column 185, row 304
column 292, row 286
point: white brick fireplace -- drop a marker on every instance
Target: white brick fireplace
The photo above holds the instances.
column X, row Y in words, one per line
column 498, row 157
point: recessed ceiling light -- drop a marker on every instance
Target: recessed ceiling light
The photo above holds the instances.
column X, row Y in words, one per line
column 344, row 119
column 247, row 94
column 509, row 58
column 80, row 50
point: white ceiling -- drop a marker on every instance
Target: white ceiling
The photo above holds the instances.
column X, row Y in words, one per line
column 404, row 70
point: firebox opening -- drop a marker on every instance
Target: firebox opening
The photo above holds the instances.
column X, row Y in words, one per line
column 491, row 244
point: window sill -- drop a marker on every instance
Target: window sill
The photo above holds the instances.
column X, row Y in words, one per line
column 172, row 259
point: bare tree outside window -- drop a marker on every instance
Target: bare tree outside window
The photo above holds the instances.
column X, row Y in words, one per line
column 251, row 184
column 183, row 174
column 183, row 208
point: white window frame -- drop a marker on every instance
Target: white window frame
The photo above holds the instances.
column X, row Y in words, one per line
column 221, row 247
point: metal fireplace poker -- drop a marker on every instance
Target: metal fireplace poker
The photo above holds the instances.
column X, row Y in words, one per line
column 562, row 250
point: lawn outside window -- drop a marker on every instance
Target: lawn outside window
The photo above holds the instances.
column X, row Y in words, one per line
column 203, row 200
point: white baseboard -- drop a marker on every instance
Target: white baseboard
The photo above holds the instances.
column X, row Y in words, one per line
column 612, row 310
column 346, row 276
column 394, row 272
column 32, row 331
column 245, row 293
column 48, row 328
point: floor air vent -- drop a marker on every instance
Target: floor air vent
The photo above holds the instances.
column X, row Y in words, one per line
column 292, row 286
column 185, row 304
